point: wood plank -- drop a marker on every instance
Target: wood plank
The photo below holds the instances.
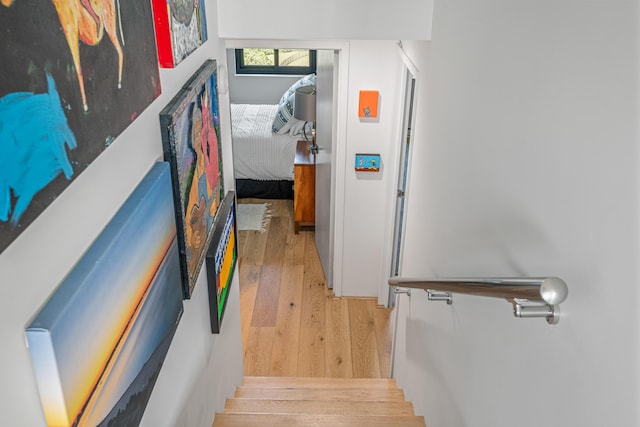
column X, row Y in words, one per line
column 257, row 357
column 338, row 339
column 322, row 382
column 327, row 393
column 272, row 406
column 265, row 309
column 278, row 420
column 276, row 241
column 286, row 341
column 364, row 350
column 249, row 278
column 384, row 326
column 311, row 355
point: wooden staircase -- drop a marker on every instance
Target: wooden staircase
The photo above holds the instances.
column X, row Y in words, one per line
column 297, row 401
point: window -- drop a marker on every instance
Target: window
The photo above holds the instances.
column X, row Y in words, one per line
column 275, row 61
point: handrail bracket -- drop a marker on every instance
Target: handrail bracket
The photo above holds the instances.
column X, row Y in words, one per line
column 440, row 296
column 397, row 291
column 523, row 308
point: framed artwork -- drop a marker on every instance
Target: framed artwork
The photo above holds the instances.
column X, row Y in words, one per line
column 190, row 128
column 75, row 74
column 367, row 162
column 221, row 260
column 98, row 343
column 368, row 104
column 181, row 28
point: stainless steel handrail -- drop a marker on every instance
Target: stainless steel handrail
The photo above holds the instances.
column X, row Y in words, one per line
column 522, row 292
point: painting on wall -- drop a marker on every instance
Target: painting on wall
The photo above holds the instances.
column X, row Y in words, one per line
column 221, row 260
column 181, row 28
column 190, row 126
column 98, row 343
column 75, row 74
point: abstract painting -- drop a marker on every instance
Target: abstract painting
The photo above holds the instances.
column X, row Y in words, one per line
column 98, row 343
column 190, row 126
column 75, row 74
column 181, row 28
column 221, row 260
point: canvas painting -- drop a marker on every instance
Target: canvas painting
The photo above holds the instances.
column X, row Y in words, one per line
column 221, row 260
column 74, row 75
column 181, row 28
column 98, row 343
column 190, row 126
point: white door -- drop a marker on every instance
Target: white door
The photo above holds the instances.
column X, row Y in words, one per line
column 325, row 135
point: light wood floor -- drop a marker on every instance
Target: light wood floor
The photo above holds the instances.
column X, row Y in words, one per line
column 291, row 323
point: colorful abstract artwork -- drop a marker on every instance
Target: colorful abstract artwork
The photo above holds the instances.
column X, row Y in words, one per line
column 190, row 126
column 181, row 28
column 221, row 260
column 75, row 74
column 99, row 342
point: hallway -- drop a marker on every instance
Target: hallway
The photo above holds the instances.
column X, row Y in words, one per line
column 291, row 324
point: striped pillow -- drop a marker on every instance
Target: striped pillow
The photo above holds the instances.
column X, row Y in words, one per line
column 284, row 117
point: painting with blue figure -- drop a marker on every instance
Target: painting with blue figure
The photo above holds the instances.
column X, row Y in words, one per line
column 101, row 83
column 99, row 342
column 34, row 138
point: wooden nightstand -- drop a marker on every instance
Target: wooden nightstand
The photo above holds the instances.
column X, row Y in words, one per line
column 304, row 187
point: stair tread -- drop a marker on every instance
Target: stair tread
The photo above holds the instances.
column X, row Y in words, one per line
column 318, row 407
column 318, row 382
column 326, row 393
column 277, row 420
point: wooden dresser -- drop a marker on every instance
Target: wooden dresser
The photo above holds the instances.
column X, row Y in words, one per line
column 304, row 187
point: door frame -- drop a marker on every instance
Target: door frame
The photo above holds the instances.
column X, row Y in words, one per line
column 384, row 294
column 339, row 150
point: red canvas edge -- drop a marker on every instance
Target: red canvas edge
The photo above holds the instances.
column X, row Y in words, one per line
column 163, row 33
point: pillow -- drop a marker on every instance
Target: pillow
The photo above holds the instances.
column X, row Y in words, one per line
column 309, row 79
column 300, row 127
column 284, row 117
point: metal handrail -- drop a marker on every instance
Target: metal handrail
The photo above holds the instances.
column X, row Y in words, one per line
column 522, row 292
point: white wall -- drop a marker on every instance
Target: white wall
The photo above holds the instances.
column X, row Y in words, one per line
column 527, row 147
column 200, row 369
column 330, row 19
column 373, row 65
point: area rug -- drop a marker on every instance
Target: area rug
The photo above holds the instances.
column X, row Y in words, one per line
column 252, row 216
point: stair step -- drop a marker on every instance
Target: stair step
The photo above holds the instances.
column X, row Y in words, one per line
column 326, row 393
column 278, row 420
column 319, row 382
column 318, row 407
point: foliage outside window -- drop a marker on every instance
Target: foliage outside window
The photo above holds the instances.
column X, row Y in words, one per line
column 275, row 61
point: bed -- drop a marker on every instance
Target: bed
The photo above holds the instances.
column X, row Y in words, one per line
column 262, row 160
column 264, row 141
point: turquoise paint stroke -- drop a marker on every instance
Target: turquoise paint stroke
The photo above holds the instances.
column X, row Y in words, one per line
column 33, row 135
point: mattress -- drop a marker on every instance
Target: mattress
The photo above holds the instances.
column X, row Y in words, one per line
column 258, row 153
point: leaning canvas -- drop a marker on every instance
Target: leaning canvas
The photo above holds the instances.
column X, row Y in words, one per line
column 221, row 260
column 181, row 28
column 190, row 126
column 98, row 343
column 74, row 74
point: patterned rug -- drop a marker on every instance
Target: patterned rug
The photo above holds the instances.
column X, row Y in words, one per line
column 253, row 216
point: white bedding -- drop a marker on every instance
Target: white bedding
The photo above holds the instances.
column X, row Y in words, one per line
column 258, row 153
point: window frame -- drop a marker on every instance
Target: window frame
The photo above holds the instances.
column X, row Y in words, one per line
column 241, row 68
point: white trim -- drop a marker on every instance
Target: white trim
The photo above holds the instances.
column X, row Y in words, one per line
column 385, row 268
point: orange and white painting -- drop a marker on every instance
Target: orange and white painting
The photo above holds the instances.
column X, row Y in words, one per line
column 98, row 344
